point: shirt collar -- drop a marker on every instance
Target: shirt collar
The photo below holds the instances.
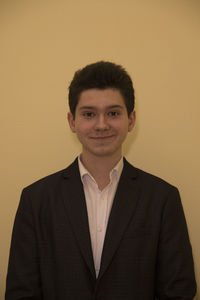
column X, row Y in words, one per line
column 114, row 173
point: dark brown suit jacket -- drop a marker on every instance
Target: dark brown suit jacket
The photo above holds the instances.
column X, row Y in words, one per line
column 146, row 255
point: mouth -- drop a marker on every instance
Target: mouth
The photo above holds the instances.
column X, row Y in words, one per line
column 101, row 138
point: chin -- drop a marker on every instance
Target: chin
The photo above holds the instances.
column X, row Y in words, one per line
column 104, row 152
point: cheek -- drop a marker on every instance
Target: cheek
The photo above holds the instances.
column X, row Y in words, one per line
column 121, row 127
column 82, row 129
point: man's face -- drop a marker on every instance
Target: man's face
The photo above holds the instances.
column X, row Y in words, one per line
column 101, row 122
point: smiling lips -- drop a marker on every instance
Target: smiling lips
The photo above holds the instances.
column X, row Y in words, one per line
column 101, row 137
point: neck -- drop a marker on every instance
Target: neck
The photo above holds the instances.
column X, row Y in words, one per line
column 100, row 167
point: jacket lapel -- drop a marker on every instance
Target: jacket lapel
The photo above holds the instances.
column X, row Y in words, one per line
column 74, row 201
column 124, row 206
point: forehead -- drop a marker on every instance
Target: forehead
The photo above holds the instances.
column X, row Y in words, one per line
column 98, row 98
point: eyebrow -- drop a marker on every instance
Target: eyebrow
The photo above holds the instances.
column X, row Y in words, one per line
column 108, row 107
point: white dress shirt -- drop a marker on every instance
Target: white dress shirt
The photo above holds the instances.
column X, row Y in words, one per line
column 99, row 205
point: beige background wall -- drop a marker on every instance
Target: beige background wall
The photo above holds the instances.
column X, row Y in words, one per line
column 42, row 43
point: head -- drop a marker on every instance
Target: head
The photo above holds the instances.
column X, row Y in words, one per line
column 102, row 75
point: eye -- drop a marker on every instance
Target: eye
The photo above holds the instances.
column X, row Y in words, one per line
column 88, row 115
column 113, row 113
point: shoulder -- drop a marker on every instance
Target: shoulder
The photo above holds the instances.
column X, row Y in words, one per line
column 153, row 190
column 51, row 181
column 49, row 190
column 147, row 180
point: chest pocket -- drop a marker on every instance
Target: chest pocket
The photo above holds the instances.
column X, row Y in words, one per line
column 137, row 232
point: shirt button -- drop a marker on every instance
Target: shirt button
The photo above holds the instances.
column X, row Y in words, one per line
column 99, row 229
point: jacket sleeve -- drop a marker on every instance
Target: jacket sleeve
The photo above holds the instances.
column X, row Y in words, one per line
column 175, row 269
column 23, row 277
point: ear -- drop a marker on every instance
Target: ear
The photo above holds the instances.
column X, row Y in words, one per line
column 71, row 121
column 132, row 118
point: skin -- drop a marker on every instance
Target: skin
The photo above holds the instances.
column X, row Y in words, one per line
column 101, row 124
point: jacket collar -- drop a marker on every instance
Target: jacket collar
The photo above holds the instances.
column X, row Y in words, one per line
column 73, row 169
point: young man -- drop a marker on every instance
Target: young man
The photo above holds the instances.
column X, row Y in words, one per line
column 100, row 229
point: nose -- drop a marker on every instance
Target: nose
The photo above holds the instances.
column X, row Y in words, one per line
column 101, row 123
